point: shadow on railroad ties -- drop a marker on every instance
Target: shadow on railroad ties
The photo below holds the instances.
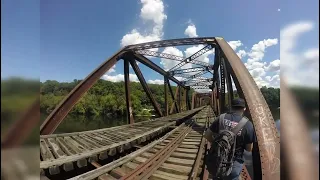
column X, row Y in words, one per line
column 196, row 127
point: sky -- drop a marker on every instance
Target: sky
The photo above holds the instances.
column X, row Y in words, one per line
column 66, row 40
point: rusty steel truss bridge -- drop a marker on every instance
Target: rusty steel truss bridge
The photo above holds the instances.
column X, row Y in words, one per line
column 171, row 146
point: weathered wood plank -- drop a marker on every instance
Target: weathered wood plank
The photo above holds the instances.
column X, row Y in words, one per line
column 108, row 167
column 160, row 175
column 58, row 153
column 46, row 164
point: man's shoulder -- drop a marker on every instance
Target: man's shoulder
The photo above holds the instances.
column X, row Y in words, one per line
column 249, row 124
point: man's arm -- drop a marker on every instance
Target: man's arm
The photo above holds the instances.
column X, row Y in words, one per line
column 208, row 135
column 213, row 129
column 250, row 137
column 249, row 147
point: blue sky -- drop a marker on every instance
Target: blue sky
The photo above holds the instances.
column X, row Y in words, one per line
column 60, row 40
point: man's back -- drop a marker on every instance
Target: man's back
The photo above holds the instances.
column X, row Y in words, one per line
column 245, row 136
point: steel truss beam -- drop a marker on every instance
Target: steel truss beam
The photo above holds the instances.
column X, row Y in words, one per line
column 189, row 78
column 190, row 70
column 201, row 87
column 171, row 42
column 130, row 118
column 168, row 56
column 155, row 67
column 199, row 84
column 192, row 57
column 63, row 108
column 143, row 82
column 172, row 96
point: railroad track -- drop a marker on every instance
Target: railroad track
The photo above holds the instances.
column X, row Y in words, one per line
column 177, row 155
column 69, row 151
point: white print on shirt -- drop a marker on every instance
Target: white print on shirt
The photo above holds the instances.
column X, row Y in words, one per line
column 231, row 124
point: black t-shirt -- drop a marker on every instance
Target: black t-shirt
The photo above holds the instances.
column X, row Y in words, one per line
column 245, row 136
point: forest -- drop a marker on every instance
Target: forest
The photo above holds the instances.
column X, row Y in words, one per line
column 107, row 98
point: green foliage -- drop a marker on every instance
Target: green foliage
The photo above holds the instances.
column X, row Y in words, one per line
column 108, row 98
column 104, row 98
column 17, row 95
column 272, row 96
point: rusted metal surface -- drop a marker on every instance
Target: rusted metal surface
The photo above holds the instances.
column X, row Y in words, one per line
column 197, row 165
column 175, row 102
column 145, row 87
column 267, row 136
column 95, row 164
column 130, row 118
column 205, row 174
column 228, row 83
column 171, row 42
column 166, row 106
column 172, row 97
column 63, row 108
column 298, row 156
column 193, row 100
column 168, row 56
column 179, row 98
column 245, row 174
column 22, row 128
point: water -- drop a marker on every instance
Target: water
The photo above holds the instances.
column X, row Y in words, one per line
column 76, row 123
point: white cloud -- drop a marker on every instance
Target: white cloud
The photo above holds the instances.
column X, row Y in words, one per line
column 298, row 68
column 168, row 63
column 241, row 53
column 274, row 66
column 119, row 77
column 152, row 11
column 235, row 44
column 112, row 69
column 312, row 54
column 261, row 82
column 258, row 50
column 193, row 49
column 134, row 37
column 156, row 81
column 255, row 65
column 257, row 72
column 191, row 31
column 273, row 81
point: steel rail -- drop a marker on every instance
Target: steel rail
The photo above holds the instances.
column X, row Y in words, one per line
column 145, row 170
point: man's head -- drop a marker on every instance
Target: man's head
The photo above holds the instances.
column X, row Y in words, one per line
column 238, row 105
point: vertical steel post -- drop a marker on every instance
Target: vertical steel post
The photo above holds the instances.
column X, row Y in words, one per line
column 166, row 96
column 179, row 98
column 193, row 100
column 173, row 99
column 223, row 85
column 130, row 118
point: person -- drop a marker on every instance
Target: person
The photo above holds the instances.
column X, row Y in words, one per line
column 245, row 137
